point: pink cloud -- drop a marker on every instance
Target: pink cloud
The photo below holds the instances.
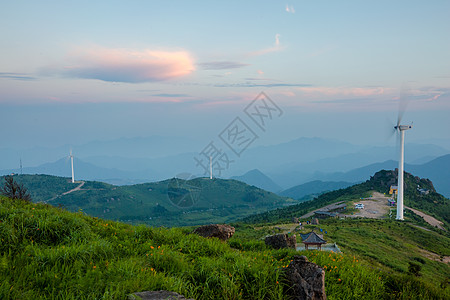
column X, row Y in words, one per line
column 119, row 65
column 290, row 9
column 343, row 91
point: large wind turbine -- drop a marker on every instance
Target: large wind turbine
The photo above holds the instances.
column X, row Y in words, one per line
column 401, row 130
column 71, row 163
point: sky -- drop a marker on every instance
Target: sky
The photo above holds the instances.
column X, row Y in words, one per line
column 76, row 71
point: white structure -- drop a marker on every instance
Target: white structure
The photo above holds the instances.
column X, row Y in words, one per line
column 401, row 129
column 71, row 163
column 210, row 167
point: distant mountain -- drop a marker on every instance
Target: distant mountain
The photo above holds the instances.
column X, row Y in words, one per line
column 137, row 147
column 257, row 178
column 437, row 170
column 295, row 173
column 314, row 187
column 172, row 202
column 83, row 171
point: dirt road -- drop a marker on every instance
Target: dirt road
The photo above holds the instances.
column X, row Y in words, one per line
column 375, row 207
column 77, row 188
column 429, row 219
column 74, row 189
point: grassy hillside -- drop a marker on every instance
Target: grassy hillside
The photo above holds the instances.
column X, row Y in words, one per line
column 169, row 203
column 49, row 253
column 432, row 203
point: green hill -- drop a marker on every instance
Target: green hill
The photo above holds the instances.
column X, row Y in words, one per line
column 431, row 203
column 50, row 253
column 173, row 202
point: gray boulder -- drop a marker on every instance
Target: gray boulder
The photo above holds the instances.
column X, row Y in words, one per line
column 306, row 279
column 281, row 240
column 223, row 232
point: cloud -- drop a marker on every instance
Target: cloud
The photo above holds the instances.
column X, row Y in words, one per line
column 277, row 47
column 171, row 95
column 119, row 65
column 221, row 65
column 16, row 76
column 290, row 9
column 268, row 85
column 344, row 91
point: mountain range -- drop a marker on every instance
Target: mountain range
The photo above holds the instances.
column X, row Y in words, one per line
column 278, row 167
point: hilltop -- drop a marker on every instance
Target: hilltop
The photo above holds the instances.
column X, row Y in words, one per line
column 259, row 179
column 432, row 203
column 173, row 202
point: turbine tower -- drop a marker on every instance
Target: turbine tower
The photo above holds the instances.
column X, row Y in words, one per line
column 71, row 163
column 401, row 130
column 210, row 167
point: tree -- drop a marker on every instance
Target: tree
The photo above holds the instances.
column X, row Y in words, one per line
column 14, row 190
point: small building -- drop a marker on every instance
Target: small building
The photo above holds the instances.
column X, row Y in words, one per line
column 324, row 214
column 312, row 239
column 391, row 202
column 393, row 190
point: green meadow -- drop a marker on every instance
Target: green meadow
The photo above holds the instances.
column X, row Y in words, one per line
column 50, row 253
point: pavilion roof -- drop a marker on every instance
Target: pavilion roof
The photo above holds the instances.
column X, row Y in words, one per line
column 312, row 238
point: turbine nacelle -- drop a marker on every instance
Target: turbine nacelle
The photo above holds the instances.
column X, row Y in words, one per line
column 402, row 127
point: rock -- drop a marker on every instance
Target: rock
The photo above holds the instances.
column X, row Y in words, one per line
column 157, row 295
column 223, row 232
column 306, row 279
column 282, row 240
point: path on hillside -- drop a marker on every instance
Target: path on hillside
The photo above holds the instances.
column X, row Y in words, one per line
column 376, row 207
column 325, row 208
column 429, row 219
column 74, row 189
column 77, row 188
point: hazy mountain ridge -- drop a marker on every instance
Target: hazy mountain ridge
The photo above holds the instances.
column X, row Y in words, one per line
column 287, row 164
column 257, row 178
column 314, row 187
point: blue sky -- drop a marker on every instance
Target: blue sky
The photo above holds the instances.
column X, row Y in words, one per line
column 75, row 71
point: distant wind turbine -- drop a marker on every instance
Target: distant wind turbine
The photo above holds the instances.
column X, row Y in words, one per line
column 210, row 167
column 71, row 163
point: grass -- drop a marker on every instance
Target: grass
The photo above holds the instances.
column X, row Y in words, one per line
column 50, row 253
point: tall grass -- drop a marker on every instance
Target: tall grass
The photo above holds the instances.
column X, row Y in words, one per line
column 49, row 253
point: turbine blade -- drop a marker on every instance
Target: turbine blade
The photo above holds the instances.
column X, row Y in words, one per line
column 402, row 103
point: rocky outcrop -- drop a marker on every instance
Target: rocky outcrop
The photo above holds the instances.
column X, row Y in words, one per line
column 157, row 295
column 223, row 232
column 306, row 279
column 282, row 240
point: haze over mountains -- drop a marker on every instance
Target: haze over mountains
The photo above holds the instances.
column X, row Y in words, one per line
column 274, row 168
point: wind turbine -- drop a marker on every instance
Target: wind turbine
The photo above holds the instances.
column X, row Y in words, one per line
column 71, row 163
column 400, row 129
column 210, row 168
